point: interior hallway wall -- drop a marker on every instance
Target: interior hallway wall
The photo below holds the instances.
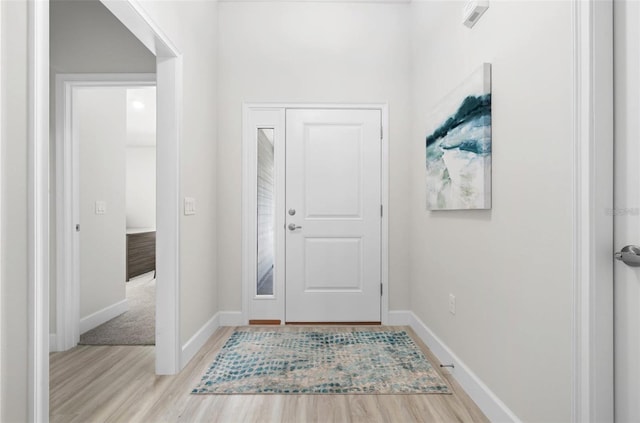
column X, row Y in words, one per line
column 509, row 268
column 192, row 27
column 311, row 52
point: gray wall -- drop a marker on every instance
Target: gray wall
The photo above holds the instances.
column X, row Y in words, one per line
column 85, row 37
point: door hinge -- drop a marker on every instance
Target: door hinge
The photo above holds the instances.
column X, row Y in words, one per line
column 381, row 210
column 381, row 132
column 381, row 289
column 77, row 227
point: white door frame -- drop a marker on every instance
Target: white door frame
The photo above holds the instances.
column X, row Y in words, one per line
column 592, row 255
column 249, row 174
column 169, row 88
column 68, row 197
column 1, row 169
column 38, row 211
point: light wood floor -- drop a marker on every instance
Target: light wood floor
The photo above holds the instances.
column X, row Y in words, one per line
column 118, row 384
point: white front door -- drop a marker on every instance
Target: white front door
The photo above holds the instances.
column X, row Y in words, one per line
column 333, row 215
column 627, row 209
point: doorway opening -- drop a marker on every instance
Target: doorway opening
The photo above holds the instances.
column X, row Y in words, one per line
column 113, row 131
column 167, row 79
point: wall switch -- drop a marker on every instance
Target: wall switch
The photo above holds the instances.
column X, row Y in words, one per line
column 189, row 206
column 452, row 304
column 101, row 207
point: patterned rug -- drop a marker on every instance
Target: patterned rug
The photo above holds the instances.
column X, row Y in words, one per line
column 321, row 361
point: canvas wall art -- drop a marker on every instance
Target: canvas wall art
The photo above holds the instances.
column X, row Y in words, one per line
column 458, row 147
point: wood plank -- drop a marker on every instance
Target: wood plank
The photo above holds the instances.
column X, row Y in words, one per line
column 118, row 384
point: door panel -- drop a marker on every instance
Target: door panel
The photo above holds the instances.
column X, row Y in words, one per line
column 333, row 264
column 333, row 182
column 336, row 193
column 627, row 212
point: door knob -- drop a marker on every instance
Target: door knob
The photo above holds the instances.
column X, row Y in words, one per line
column 629, row 255
column 293, row 227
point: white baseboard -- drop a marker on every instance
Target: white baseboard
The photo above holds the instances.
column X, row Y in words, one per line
column 104, row 315
column 197, row 341
column 488, row 402
column 399, row 318
column 231, row 318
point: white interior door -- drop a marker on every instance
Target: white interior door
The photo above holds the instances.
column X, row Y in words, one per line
column 333, row 203
column 627, row 209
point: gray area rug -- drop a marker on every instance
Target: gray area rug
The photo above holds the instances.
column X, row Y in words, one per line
column 321, row 361
column 134, row 327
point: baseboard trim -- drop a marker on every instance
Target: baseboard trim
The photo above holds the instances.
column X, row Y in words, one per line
column 104, row 315
column 399, row 318
column 480, row 393
column 231, row 318
column 197, row 341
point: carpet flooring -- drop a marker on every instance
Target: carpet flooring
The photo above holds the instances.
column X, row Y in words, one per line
column 137, row 326
column 321, row 361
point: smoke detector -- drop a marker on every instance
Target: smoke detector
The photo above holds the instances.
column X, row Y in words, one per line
column 473, row 10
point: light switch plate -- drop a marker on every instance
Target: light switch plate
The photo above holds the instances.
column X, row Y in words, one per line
column 189, row 206
column 101, row 207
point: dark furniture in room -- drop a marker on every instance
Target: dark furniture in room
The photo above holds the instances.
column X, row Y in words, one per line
column 141, row 252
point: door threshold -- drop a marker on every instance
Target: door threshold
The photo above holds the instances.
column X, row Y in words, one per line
column 264, row 322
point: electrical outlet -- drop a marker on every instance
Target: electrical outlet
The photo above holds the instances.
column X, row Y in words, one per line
column 452, row 304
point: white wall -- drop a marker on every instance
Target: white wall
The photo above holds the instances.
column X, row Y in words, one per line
column 192, row 27
column 509, row 267
column 311, row 52
column 100, row 116
column 13, row 383
column 85, row 38
column 141, row 187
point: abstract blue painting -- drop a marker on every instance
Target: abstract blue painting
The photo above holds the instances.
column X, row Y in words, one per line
column 459, row 147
